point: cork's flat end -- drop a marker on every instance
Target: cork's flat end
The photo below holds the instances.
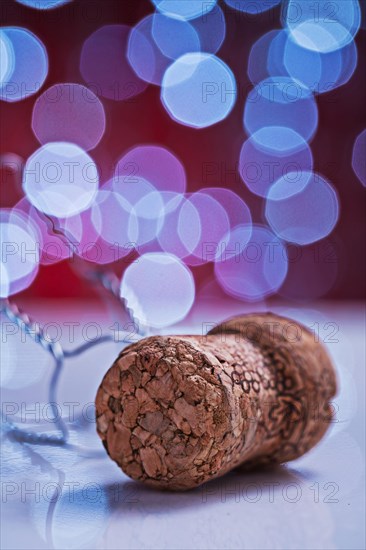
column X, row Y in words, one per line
column 162, row 415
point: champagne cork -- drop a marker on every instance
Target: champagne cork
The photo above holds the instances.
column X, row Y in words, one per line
column 177, row 411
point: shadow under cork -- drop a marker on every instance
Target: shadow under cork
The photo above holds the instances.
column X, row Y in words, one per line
column 266, row 508
column 237, row 485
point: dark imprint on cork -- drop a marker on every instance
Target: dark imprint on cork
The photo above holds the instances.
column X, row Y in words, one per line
column 177, row 411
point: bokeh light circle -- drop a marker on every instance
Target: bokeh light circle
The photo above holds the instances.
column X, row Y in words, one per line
column 154, row 163
column 147, row 218
column 29, row 62
column 359, row 157
column 180, row 234
column 150, row 51
column 302, row 210
column 107, row 214
column 159, row 288
column 236, row 209
column 189, row 226
column 144, row 56
column 146, row 210
column 253, row 7
column 259, row 167
column 186, row 9
column 197, row 227
column 165, row 31
column 69, row 112
column 43, row 4
column 238, row 214
column 19, row 252
column 321, row 72
column 260, row 267
column 307, row 65
column 323, row 26
column 276, row 54
column 234, row 242
column 280, row 102
column 104, row 66
column 6, row 58
column 110, row 216
column 214, row 227
column 60, row 179
column 198, row 90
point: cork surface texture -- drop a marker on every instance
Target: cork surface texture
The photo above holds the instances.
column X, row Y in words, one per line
column 177, row 411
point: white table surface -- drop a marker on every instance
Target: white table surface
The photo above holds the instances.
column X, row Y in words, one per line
column 76, row 497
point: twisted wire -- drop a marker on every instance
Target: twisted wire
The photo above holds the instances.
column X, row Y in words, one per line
column 110, row 282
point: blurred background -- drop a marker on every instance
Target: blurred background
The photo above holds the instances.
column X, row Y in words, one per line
column 330, row 266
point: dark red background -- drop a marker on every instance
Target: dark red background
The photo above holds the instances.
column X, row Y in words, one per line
column 143, row 119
